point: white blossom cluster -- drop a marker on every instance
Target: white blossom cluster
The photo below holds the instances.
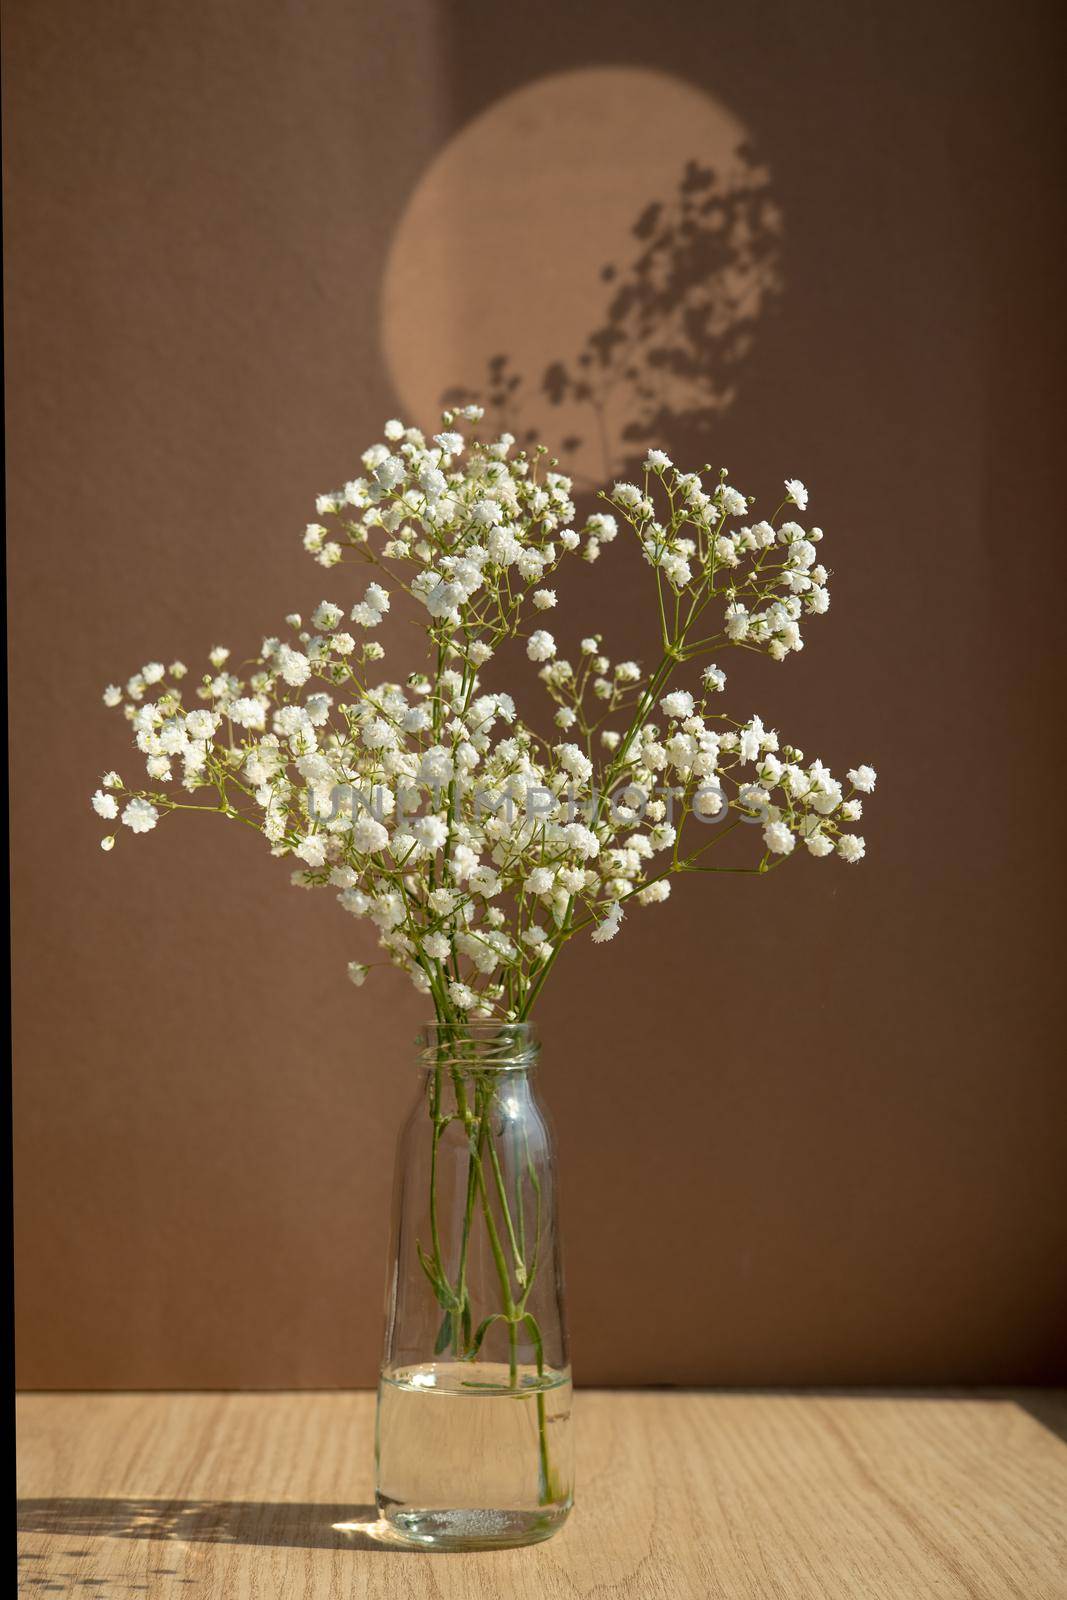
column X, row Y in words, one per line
column 475, row 846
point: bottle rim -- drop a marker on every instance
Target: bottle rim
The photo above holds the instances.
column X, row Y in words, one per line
column 478, row 1046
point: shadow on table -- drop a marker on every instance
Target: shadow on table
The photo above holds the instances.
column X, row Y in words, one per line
column 239, row 1522
column 1047, row 1406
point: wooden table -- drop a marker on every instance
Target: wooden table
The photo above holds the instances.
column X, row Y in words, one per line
column 681, row 1494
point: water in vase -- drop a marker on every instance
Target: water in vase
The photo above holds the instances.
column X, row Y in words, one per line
column 470, row 1455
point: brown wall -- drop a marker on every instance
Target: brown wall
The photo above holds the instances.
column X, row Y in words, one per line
column 811, row 1128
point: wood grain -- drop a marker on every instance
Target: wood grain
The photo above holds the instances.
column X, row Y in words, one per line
column 240, row 1497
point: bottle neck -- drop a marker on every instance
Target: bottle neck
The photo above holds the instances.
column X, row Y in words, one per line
column 476, row 1048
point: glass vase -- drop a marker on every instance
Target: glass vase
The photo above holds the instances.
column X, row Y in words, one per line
column 473, row 1445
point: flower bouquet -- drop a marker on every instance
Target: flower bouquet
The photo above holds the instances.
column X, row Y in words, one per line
column 478, row 847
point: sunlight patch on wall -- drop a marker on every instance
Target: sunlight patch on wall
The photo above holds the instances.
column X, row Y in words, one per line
column 590, row 256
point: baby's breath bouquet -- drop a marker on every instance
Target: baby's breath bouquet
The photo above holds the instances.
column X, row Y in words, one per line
column 477, row 846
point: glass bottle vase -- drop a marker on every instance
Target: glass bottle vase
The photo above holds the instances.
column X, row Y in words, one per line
column 473, row 1446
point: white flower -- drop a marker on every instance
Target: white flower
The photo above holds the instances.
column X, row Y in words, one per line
column 112, row 695
column 451, row 443
column 140, row 816
column 218, row 656
column 544, row 599
column 778, row 838
column 431, row 831
column 294, row 666
column 372, row 608
column 796, row 492
column 368, row 835
column 530, row 564
column 802, row 554
column 751, row 740
column 376, row 599
column 676, row 568
column 108, row 843
column 111, row 780
column 574, row 761
column 657, row 460
column 819, row 844
column 436, row 766
column 379, row 735
column 486, row 513
column 389, row 472
column 752, row 798
column 105, row 805
column 326, row 616
column 714, row 678
column 312, row 849
column 708, row 800
column 484, row 881
column 737, row 621
column 610, row 926
column 437, row 946
column 358, row 973
column 462, row 996
column 540, row 646
column 201, row 724
column 248, row 713
column 862, row 778
column 581, row 840
column 677, row 704
column 851, row 847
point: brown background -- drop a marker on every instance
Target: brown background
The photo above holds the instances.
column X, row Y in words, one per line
column 811, row 1129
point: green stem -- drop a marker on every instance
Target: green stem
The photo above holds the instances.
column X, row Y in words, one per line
column 498, row 1178
column 548, row 1488
column 435, row 1112
column 480, row 1189
column 473, row 1167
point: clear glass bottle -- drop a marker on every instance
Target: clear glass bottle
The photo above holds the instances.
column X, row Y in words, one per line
column 474, row 1446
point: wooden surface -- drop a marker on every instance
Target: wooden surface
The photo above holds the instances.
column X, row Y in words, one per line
column 222, row 1497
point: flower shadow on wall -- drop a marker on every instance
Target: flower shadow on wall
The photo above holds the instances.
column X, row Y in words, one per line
column 680, row 320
